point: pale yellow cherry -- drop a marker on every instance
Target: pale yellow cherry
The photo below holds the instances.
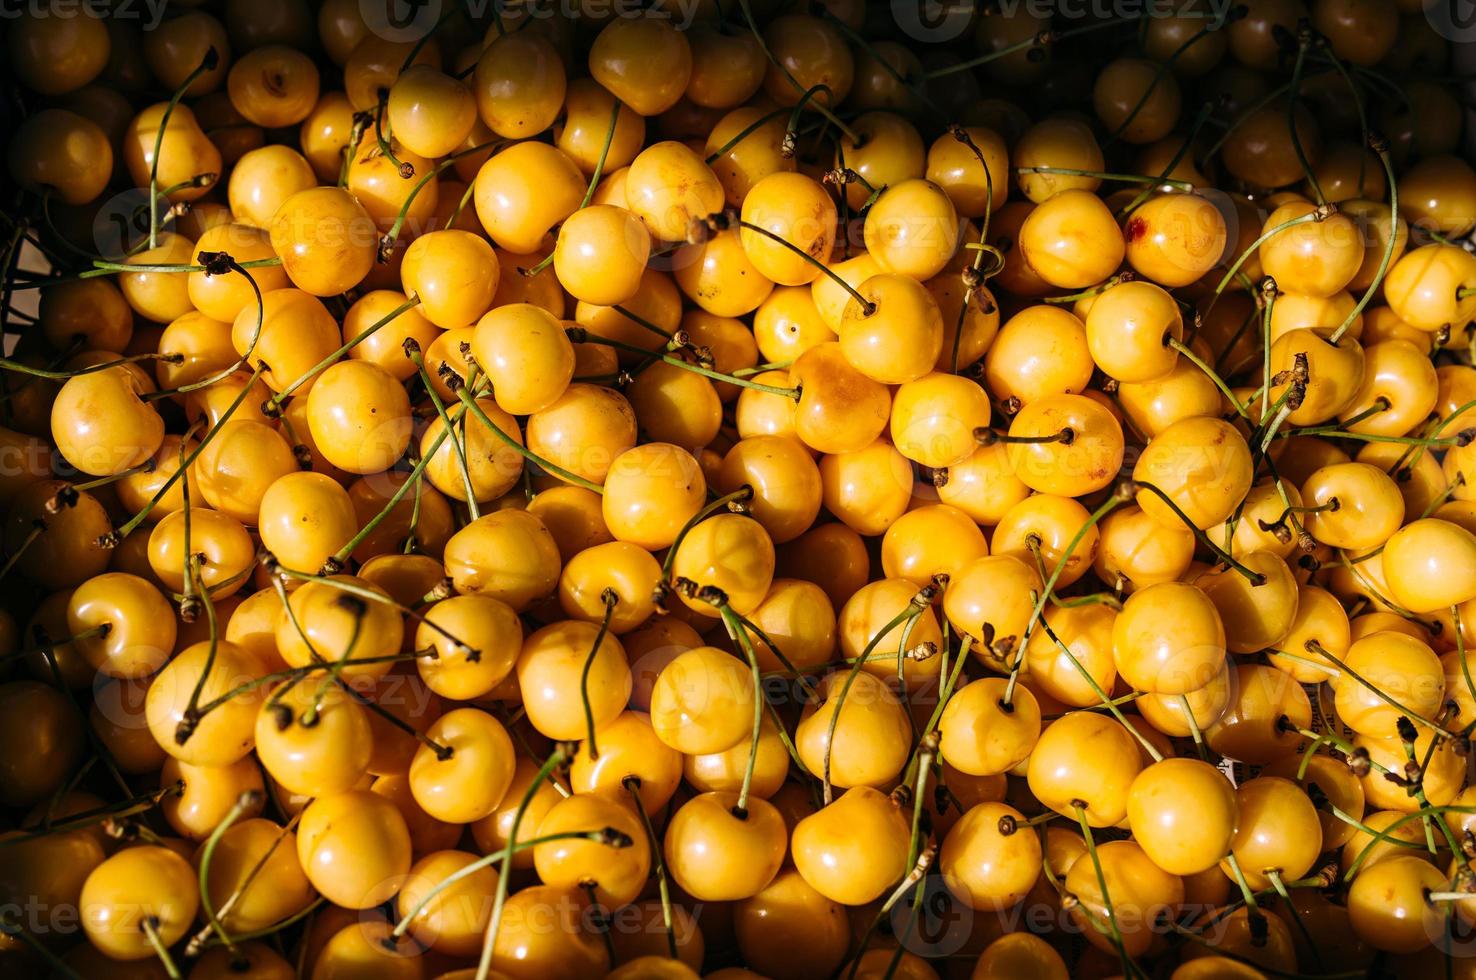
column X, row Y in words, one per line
column 982, row 733
column 619, row 567
column 831, row 297
column 1253, row 727
column 893, row 331
column 1398, row 666
column 494, row 464
column 552, row 675
column 1061, row 775
column 629, row 747
column 1183, row 814
column 455, row 275
column 651, row 491
column 669, row 186
column 508, row 555
column 467, row 782
column 1052, row 533
column 992, row 599
column 524, row 191
column 853, row 850
column 989, row 859
column 355, row 848
column 1256, row 616
column 1068, row 676
column 359, row 415
column 795, row 211
column 912, row 229
column 526, row 355
column 798, row 616
column 984, row 485
column 732, row 552
column 862, row 628
column 1430, row 565
column 703, row 702
column 934, row 418
column 1042, row 350
column 871, row 740
column 928, row 540
column 868, row 489
column 1202, row 464
column 1072, row 240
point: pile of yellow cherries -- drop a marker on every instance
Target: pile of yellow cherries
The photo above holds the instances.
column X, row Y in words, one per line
column 746, row 489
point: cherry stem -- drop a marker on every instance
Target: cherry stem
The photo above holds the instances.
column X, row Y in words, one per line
column 986, row 436
column 1304, row 38
column 412, row 351
column 207, row 63
column 1194, row 729
column 417, row 472
column 909, row 615
column 133, row 522
column 1255, row 578
column 334, row 674
column 646, row 324
column 1129, row 968
column 1119, row 496
column 1102, row 695
column 370, row 595
column 1381, row 147
column 738, row 497
column 632, row 785
column 867, row 306
column 382, row 145
column 821, row 108
column 275, row 403
column 610, row 599
column 1385, row 836
column 489, row 939
column 1160, row 71
column 38, row 527
column 1247, row 894
column 215, row 263
column 1320, row 214
column 150, row 927
column 245, row 801
column 604, row 835
column 101, row 629
column 790, row 670
column 1041, row 40
column 1169, row 183
column 740, row 637
column 974, row 278
column 6, row 364
column 141, row 803
column 1188, row 354
column 387, row 241
column 466, row 399
column 1127, row 275
column 101, row 268
column 466, row 196
column 746, row 132
column 581, row 335
column 192, row 577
